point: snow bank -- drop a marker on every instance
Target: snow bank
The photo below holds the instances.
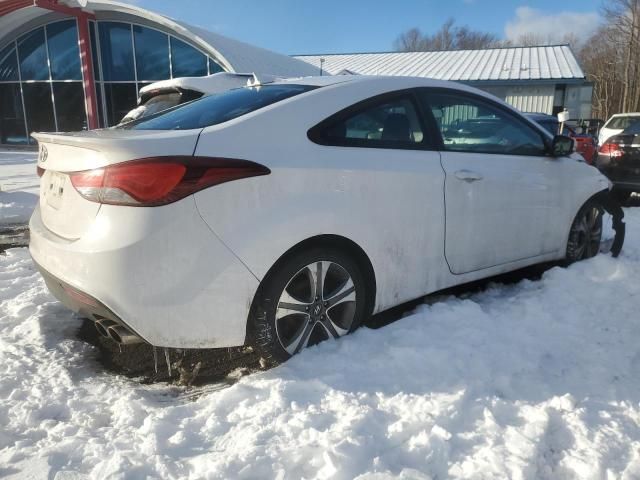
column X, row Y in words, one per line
column 535, row 380
column 19, row 185
column 16, row 207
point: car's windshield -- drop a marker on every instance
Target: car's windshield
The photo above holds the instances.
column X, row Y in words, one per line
column 217, row 108
column 622, row 122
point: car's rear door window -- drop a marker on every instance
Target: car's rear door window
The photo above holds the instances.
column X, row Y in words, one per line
column 218, row 108
column 383, row 123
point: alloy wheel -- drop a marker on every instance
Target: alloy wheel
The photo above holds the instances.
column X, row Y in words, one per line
column 587, row 233
column 318, row 302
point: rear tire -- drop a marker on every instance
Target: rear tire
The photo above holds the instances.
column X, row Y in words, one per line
column 310, row 296
column 586, row 233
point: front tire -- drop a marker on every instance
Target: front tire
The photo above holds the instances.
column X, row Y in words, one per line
column 586, row 233
column 309, row 297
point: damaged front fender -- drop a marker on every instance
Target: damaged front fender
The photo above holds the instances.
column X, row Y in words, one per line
column 612, row 207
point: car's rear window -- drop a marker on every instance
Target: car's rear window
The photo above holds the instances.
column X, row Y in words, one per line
column 218, row 108
column 633, row 129
column 620, row 123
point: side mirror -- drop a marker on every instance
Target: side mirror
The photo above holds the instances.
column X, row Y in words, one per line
column 562, row 146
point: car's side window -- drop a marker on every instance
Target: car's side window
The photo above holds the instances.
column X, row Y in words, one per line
column 468, row 124
column 385, row 124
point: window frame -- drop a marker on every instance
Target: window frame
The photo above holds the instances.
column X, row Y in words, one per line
column 317, row 133
column 424, row 94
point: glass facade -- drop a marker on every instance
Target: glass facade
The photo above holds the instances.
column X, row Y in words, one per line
column 41, row 83
column 133, row 56
column 41, row 86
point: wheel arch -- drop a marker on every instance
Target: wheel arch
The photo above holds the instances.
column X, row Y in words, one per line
column 338, row 242
column 600, row 196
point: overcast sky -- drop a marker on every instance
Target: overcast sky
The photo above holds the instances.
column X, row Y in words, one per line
column 333, row 26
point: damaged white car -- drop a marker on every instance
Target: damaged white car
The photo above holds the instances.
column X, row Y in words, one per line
column 284, row 213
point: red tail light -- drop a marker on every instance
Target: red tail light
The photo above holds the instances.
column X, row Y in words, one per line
column 40, row 171
column 149, row 182
column 611, row 149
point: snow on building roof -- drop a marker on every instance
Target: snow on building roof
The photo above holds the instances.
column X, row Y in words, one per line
column 494, row 64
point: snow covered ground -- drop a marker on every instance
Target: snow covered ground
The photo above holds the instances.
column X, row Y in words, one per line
column 536, row 380
column 18, row 186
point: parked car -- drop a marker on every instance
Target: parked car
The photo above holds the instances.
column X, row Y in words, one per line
column 282, row 214
column 619, row 160
column 585, row 143
column 617, row 124
column 165, row 94
column 589, row 126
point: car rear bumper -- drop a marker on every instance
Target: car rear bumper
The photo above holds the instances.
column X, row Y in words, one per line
column 159, row 271
column 84, row 305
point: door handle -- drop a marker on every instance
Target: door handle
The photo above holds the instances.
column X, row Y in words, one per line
column 468, row 176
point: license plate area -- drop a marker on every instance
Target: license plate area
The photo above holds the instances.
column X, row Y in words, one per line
column 54, row 190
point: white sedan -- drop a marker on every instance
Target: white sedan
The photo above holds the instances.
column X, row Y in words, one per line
column 282, row 214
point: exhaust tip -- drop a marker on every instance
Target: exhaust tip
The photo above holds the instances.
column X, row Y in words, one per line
column 103, row 325
column 123, row 335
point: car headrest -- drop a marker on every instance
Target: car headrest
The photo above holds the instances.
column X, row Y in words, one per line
column 396, row 128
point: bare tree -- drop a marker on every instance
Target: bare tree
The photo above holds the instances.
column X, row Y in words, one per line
column 623, row 18
column 611, row 59
column 532, row 39
column 601, row 62
column 447, row 37
column 467, row 39
column 409, row 41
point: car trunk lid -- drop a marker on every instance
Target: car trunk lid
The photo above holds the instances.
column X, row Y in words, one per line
column 63, row 210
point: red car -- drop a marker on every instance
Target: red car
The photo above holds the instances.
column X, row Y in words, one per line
column 585, row 143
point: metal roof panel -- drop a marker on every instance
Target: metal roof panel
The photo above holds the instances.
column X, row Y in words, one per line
column 498, row 64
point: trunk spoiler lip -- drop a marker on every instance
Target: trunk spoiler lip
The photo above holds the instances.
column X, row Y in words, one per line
column 97, row 149
column 98, row 139
column 62, row 139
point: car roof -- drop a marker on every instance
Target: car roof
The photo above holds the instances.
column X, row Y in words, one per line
column 390, row 83
column 628, row 114
column 396, row 81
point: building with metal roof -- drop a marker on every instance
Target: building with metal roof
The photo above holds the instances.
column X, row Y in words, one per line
column 75, row 64
column 544, row 79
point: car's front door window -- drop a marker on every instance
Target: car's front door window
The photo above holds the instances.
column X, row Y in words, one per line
column 468, row 124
